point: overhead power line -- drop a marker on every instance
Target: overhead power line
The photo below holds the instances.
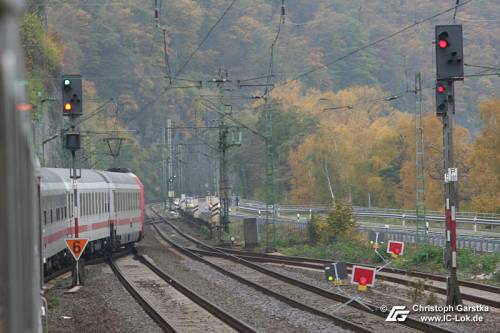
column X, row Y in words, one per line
column 378, row 41
column 205, row 38
column 184, row 65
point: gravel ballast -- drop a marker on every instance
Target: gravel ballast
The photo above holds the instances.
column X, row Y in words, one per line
column 101, row 305
column 263, row 312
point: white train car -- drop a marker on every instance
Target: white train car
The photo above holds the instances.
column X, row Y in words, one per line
column 110, row 209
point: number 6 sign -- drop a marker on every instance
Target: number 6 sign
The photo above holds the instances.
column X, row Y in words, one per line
column 76, row 246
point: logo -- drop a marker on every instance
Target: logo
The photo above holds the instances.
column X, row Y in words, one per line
column 398, row 313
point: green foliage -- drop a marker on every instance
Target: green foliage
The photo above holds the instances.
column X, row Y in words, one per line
column 354, row 250
column 468, row 262
column 340, row 221
column 417, row 291
column 53, row 302
column 40, row 48
column 420, row 257
column 42, row 57
column 314, row 229
column 477, row 264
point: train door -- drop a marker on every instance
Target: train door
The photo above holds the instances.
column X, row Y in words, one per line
column 113, row 218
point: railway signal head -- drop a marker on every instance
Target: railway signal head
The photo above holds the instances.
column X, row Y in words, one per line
column 444, row 94
column 72, row 95
column 329, row 273
column 363, row 276
column 449, row 52
column 395, row 248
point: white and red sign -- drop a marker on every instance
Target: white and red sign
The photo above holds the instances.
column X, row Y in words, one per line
column 396, row 248
column 364, row 276
column 76, row 246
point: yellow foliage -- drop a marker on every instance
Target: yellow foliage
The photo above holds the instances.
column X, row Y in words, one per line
column 369, row 148
column 486, row 160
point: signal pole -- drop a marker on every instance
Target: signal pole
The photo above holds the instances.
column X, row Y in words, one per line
column 449, row 68
column 451, row 204
column 73, row 108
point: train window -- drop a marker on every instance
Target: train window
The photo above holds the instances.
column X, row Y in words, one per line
column 65, row 212
column 57, row 214
column 51, row 216
column 44, row 217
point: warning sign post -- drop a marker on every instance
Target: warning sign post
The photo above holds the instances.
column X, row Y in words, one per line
column 77, row 246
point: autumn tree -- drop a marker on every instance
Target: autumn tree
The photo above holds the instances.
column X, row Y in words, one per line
column 486, row 160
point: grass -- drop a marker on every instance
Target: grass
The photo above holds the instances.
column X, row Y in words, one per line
column 340, row 250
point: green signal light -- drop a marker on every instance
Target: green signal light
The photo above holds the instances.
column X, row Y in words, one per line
column 330, row 278
column 67, row 82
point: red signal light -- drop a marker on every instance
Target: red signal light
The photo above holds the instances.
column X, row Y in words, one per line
column 68, row 106
column 440, row 89
column 443, row 43
column 363, row 281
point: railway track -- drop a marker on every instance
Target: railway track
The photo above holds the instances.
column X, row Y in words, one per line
column 93, row 261
column 471, row 291
column 360, row 318
column 172, row 305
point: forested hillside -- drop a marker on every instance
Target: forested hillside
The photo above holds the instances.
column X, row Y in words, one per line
column 368, row 147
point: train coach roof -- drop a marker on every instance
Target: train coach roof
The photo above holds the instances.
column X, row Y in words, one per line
column 119, row 177
column 54, row 175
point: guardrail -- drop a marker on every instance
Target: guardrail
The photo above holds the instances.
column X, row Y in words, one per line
column 405, row 215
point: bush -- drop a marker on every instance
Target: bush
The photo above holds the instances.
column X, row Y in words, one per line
column 340, row 221
column 315, row 229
